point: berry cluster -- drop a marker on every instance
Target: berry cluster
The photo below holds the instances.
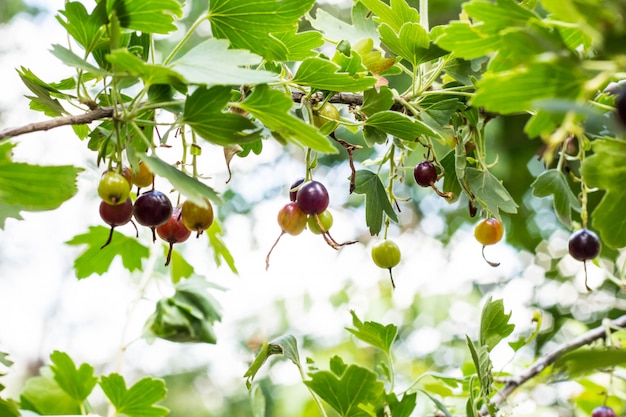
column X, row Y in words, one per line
column 151, row 209
column 308, row 207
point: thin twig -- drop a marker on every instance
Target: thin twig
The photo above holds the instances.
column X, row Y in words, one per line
column 549, row 358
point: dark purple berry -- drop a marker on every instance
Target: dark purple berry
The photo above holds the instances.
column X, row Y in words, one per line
column 312, row 197
column 116, row 215
column 584, row 245
column 603, row 411
column 620, row 107
column 293, row 190
column 152, row 209
column 425, row 173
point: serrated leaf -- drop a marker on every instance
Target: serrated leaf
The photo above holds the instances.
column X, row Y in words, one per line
column 465, row 42
column 396, row 14
column 25, row 187
column 212, row 62
column 440, row 406
column 124, row 61
column 489, row 191
column 271, row 107
column 220, row 251
column 375, row 334
column 149, row 16
column 70, row 59
column 179, row 267
column 400, row 125
column 76, row 382
column 137, row 401
column 483, row 364
column 325, row 75
column 337, row 30
column 43, row 100
column 298, row 45
column 523, row 341
column 516, row 90
column 337, row 365
column 97, row 261
column 345, row 394
column 204, row 113
column 9, row 408
column 376, row 100
column 494, row 324
column 376, row 200
column 554, row 183
column 411, row 43
column 190, row 187
column 284, row 345
column 87, row 29
column 605, row 169
column 247, row 24
column 451, row 183
column 43, row 395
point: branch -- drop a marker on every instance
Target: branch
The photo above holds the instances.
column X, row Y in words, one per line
column 549, row 358
column 97, row 114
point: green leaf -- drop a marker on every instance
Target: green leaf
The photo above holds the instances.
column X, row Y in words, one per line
column 440, row 406
column 396, row 14
column 324, row 75
column 271, row 107
column 149, row 16
column 9, row 408
column 212, row 62
column 403, row 407
column 179, row 267
column 337, row 365
column 220, row 251
column 494, row 324
column 553, row 182
column 25, row 187
column 483, row 364
column 247, row 24
column 376, row 200
column 515, row 91
column 586, row 360
column 137, row 401
column 204, row 113
column 86, row 29
column 190, row 187
column 411, row 43
column 284, row 345
column 76, row 382
column 465, row 42
column 400, row 125
column 451, row 183
column 298, row 46
column 523, row 341
column 187, row 316
column 376, row 100
column 42, row 101
column 337, row 30
column 345, row 394
column 98, row 261
column 43, row 395
column 605, row 169
column 375, row 334
column 151, row 74
column 70, row 59
column 489, row 191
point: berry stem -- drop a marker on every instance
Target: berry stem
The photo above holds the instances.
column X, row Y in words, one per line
column 267, row 258
column 491, row 263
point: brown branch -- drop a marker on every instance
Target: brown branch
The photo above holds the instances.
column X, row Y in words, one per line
column 549, row 358
column 86, row 118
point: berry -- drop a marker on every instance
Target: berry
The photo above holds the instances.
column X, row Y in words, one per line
column 117, row 215
column 113, row 188
column 312, row 197
column 128, row 174
column 144, row 177
column 293, row 190
column 173, row 231
column 425, row 174
column 291, row 219
column 584, row 245
column 326, row 118
column 386, row 255
column 488, row 231
column 197, row 218
column 152, row 209
column 325, row 219
column 603, row 411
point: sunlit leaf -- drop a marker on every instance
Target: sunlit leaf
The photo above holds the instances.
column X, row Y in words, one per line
column 43, row 395
column 376, row 200
column 220, row 251
column 76, row 382
column 97, row 261
column 150, row 16
column 400, row 125
column 378, row 335
column 70, row 59
column 137, row 401
column 395, row 14
column 489, row 191
column 494, row 324
column 376, row 100
column 585, row 360
column 324, row 75
column 284, row 345
column 150, row 74
column 554, row 183
column 87, row 29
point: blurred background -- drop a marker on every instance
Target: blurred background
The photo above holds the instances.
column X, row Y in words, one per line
column 309, row 289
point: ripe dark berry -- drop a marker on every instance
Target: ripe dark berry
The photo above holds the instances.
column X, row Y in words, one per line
column 312, row 197
column 173, row 231
column 113, row 188
column 584, row 245
column 197, row 218
column 293, row 189
column 603, row 411
column 117, row 215
column 152, row 209
column 425, row 174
